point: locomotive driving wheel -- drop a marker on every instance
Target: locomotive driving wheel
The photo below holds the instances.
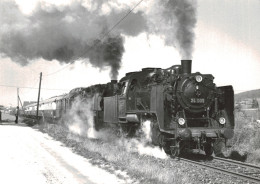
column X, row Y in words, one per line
column 127, row 130
column 171, row 147
column 175, row 151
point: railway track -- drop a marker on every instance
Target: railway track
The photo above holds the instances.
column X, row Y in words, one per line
column 239, row 170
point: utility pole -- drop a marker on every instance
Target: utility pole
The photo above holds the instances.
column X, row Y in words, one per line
column 17, row 108
column 20, row 102
column 39, row 93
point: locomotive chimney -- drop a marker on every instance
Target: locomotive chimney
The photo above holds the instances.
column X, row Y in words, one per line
column 113, row 81
column 186, row 66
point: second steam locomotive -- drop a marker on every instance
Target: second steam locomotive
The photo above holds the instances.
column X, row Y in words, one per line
column 186, row 110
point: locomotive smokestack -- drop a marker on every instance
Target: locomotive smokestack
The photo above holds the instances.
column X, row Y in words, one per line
column 113, row 81
column 186, row 66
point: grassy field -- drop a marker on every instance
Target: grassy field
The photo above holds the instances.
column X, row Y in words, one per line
column 7, row 117
column 246, row 141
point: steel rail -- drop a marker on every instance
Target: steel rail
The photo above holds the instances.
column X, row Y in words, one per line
column 231, row 173
column 238, row 163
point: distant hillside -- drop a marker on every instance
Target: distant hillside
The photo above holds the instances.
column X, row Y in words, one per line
column 248, row 94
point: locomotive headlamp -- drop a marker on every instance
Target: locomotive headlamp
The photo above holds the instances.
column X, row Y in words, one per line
column 181, row 121
column 198, row 78
column 222, row 120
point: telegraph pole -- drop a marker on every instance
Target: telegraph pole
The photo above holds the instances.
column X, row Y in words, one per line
column 39, row 93
column 17, row 108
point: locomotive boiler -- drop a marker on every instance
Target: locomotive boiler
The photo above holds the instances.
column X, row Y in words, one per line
column 186, row 110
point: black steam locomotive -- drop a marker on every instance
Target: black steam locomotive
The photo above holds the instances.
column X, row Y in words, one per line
column 186, row 110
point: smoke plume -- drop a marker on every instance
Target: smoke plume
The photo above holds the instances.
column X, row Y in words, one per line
column 185, row 13
column 79, row 30
column 110, row 50
column 175, row 20
column 66, row 33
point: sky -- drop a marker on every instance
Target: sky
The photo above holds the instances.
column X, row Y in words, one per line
column 221, row 37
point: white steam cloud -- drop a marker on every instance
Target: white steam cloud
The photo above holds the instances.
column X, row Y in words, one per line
column 80, row 119
column 77, row 30
column 143, row 145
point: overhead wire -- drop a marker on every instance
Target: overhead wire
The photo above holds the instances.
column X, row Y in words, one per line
column 46, row 75
column 26, row 87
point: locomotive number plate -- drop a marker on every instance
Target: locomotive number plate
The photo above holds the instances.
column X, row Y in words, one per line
column 197, row 100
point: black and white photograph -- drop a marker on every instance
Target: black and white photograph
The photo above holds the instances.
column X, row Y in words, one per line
column 129, row 92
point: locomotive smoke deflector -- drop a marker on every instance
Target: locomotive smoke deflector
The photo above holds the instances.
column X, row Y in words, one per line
column 186, row 66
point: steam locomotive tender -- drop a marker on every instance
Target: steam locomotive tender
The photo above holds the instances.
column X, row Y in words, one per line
column 186, row 110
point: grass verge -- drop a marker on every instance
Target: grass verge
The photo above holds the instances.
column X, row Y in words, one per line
column 119, row 154
column 246, row 141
